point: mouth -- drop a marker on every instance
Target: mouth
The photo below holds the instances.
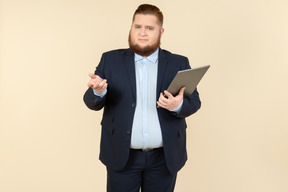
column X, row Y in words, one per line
column 143, row 40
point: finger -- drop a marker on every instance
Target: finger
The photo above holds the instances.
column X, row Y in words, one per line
column 168, row 94
column 160, row 104
column 181, row 92
column 163, row 100
column 103, row 87
column 97, row 86
column 90, row 84
column 102, row 82
column 91, row 75
column 100, row 89
column 161, row 97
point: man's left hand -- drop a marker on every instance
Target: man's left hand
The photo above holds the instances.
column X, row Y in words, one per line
column 168, row 101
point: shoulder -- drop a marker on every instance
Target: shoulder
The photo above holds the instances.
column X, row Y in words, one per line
column 117, row 52
column 171, row 55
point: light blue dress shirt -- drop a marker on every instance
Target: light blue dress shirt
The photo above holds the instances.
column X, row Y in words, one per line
column 146, row 130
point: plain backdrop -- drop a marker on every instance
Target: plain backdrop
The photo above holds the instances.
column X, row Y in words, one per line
column 49, row 140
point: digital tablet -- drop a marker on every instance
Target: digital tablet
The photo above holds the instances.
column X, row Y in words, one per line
column 187, row 78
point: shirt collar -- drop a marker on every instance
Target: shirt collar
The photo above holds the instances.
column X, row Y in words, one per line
column 153, row 58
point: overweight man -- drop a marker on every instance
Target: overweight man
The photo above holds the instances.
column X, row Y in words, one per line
column 143, row 138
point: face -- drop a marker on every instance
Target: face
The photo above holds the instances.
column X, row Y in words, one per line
column 145, row 34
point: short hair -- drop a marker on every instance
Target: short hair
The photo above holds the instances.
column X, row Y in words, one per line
column 147, row 9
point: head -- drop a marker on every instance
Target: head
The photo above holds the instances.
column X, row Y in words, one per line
column 146, row 30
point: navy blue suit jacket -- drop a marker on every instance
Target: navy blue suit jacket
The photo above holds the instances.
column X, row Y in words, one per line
column 119, row 106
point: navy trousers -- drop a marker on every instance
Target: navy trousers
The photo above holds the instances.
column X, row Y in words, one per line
column 145, row 170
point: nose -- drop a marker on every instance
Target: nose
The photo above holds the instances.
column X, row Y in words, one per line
column 143, row 32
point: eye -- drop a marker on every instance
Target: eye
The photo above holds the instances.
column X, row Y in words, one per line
column 137, row 27
column 150, row 28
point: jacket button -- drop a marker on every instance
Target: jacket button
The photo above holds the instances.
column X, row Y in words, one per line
column 133, row 104
column 128, row 132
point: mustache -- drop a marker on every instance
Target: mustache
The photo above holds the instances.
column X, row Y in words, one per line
column 143, row 51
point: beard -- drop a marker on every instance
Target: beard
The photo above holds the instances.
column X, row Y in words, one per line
column 144, row 51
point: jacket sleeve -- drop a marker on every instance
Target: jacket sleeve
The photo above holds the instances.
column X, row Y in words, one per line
column 190, row 104
column 91, row 100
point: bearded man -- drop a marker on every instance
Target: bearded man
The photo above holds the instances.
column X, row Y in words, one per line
column 143, row 137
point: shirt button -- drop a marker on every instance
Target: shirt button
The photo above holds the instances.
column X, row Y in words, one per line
column 133, row 104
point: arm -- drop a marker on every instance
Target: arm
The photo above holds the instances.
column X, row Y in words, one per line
column 93, row 101
column 95, row 96
column 188, row 105
column 185, row 106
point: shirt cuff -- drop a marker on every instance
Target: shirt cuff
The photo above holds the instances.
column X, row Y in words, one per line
column 102, row 94
column 178, row 109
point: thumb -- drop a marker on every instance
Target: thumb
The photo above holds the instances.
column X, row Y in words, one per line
column 181, row 92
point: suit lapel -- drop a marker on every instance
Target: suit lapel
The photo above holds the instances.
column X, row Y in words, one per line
column 130, row 67
column 162, row 66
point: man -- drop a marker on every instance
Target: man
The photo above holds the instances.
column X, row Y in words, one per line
column 143, row 139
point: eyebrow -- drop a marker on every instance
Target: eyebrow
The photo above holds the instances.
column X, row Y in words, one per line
column 150, row 26
column 144, row 26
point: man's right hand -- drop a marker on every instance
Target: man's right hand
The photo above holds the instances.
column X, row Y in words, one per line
column 97, row 83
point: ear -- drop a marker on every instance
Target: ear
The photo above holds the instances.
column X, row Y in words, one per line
column 161, row 31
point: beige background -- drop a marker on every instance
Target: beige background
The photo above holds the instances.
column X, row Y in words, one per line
column 49, row 140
